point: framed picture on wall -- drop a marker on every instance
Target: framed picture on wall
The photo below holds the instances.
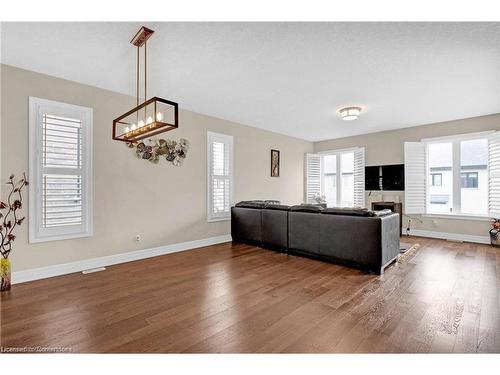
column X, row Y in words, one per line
column 275, row 163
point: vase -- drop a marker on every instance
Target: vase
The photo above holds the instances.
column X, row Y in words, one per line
column 5, row 271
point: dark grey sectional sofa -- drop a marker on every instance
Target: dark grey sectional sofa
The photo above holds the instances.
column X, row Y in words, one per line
column 355, row 237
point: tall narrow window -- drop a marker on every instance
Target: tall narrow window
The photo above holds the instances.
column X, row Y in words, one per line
column 347, row 179
column 60, row 171
column 330, row 179
column 220, row 176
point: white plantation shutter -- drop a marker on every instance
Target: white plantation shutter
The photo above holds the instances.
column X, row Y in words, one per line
column 220, row 176
column 359, row 177
column 313, row 176
column 494, row 174
column 60, row 170
column 415, row 177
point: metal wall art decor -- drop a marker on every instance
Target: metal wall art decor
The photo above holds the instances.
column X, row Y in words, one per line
column 151, row 117
column 174, row 152
column 275, row 163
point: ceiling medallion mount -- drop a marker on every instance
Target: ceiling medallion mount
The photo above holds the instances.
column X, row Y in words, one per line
column 151, row 117
column 350, row 113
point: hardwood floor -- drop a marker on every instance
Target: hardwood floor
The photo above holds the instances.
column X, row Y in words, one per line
column 239, row 298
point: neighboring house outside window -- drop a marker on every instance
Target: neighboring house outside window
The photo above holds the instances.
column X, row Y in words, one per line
column 469, row 180
column 437, row 179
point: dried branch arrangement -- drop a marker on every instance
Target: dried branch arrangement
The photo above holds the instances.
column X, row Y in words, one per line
column 9, row 214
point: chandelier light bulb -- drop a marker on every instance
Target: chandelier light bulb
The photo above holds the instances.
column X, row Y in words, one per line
column 133, row 127
column 141, row 123
column 159, row 116
column 127, row 129
column 149, row 120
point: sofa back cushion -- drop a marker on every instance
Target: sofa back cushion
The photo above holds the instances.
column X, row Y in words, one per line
column 350, row 211
column 311, row 208
column 278, row 207
column 355, row 211
column 251, row 204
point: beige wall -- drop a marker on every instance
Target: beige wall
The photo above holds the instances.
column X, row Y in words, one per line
column 167, row 204
column 162, row 203
column 387, row 148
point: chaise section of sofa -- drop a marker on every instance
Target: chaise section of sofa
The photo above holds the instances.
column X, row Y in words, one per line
column 364, row 239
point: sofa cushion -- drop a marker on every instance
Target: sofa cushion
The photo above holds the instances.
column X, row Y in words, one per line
column 306, row 208
column 322, row 205
column 251, row 204
column 350, row 211
column 280, row 207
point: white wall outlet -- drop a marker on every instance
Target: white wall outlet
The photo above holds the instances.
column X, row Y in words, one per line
column 435, row 222
column 137, row 238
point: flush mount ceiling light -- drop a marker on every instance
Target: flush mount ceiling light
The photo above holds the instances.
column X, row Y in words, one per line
column 350, row 113
column 151, row 117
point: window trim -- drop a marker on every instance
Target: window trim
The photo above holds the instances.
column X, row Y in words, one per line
column 211, row 136
column 457, row 216
column 34, row 169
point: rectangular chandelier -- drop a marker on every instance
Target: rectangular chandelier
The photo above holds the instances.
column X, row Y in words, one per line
column 150, row 118
column 153, row 116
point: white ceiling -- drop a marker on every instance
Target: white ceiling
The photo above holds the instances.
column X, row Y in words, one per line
column 286, row 77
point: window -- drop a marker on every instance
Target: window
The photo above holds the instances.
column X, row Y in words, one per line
column 338, row 175
column 469, row 180
column 440, row 158
column 330, row 179
column 60, row 170
column 347, row 179
column 437, row 179
column 220, row 176
column 454, row 173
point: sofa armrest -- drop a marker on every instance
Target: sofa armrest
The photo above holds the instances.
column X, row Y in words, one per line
column 390, row 238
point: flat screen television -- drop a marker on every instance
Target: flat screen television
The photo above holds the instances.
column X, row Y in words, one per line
column 385, row 177
column 393, row 177
column 372, row 178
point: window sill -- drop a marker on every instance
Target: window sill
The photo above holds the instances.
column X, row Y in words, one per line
column 61, row 237
column 218, row 219
column 456, row 217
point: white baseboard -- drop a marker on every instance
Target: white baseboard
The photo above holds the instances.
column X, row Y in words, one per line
column 450, row 236
column 81, row 265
